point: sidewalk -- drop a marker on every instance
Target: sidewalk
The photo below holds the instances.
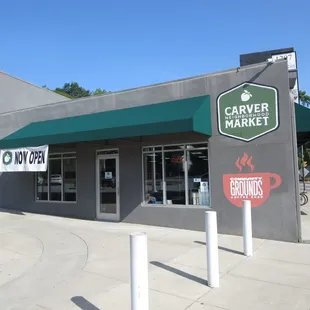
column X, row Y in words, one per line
column 56, row 263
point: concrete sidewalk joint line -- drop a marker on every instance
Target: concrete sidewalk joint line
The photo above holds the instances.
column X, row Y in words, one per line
column 270, row 282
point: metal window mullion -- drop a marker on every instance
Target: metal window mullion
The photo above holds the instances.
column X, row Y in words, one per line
column 62, row 178
column 168, row 145
column 163, row 163
column 154, row 171
column 35, row 186
column 48, row 180
column 186, row 178
column 76, row 179
column 143, row 178
column 209, row 179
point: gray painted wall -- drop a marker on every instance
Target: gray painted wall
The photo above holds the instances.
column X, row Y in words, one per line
column 275, row 152
column 130, row 157
column 17, row 94
column 278, row 218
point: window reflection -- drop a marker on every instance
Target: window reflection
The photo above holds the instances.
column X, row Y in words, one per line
column 69, row 182
column 108, row 197
column 42, row 187
column 55, row 179
column 176, row 174
column 198, row 177
column 58, row 183
column 153, row 178
column 175, row 181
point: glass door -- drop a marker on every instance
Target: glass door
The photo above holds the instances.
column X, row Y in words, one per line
column 108, row 188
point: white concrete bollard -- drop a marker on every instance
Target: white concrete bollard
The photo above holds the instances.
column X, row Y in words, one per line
column 247, row 228
column 139, row 271
column 212, row 249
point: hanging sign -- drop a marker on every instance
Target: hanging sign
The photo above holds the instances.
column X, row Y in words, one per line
column 248, row 111
column 24, row 159
column 108, row 175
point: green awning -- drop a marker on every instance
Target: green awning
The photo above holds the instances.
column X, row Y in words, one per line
column 192, row 114
column 302, row 118
column 302, row 115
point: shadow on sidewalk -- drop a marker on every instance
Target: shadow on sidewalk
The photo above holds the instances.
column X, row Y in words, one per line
column 82, row 303
column 179, row 272
column 11, row 211
column 222, row 248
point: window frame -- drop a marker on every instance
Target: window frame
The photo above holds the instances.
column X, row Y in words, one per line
column 56, row 156
column 162, row 150
column 107, row 152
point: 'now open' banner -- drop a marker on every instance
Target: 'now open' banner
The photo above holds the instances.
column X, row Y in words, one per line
column 24, row 159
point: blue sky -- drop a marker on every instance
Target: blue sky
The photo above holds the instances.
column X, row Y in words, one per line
column 123, row 44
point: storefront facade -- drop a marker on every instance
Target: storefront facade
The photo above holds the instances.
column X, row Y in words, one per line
column 164, row 154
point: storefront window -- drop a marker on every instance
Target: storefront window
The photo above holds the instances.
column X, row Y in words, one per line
column 42, row 185
column 69, row 184
column 174, row 177
column 176, row 174
column 58, row 183
column 198, row 177
column 153, row 177
column 55, row 179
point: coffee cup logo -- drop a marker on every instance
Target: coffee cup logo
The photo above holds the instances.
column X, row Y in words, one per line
column 253, row 186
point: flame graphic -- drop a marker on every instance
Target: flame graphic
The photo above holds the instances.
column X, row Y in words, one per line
column 245, row 160
column 249, row 163
column 238, row 165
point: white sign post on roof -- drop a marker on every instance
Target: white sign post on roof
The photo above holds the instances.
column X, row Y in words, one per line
column 290, row 57
column 291, row 66
column 24, row 159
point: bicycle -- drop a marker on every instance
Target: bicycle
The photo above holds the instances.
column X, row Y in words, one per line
column 303, row 198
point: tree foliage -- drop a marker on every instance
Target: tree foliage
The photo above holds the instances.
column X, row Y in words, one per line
column 73, row 91
column 304, row 98
column 306, row 149
column 62, row 93
column 99, row 91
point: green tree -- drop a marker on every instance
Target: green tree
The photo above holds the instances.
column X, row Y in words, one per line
column 59, row 91
column 73, row 90
column 304, row 98
column 62, row 93
column 307, row 155
column 99, row 91
column 306, row 151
